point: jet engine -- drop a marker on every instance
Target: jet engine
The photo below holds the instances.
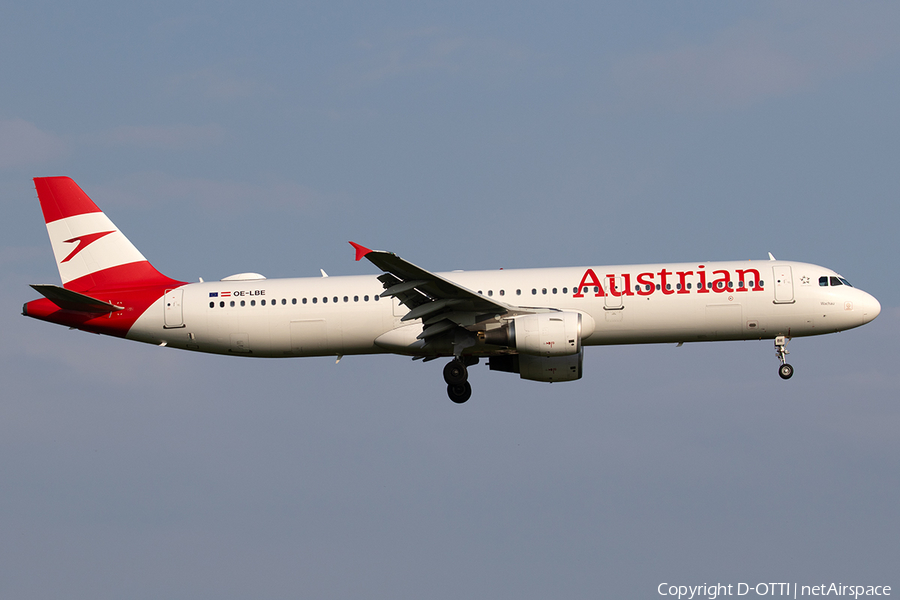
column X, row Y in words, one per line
column 542, row 334
column 540, row 368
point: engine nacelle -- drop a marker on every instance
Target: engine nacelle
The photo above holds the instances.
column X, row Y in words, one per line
column 540, row 368
column 542, row 334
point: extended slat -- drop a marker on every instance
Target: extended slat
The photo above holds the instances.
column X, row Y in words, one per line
column 429, row 308
column 436, row 329
column 402, row 287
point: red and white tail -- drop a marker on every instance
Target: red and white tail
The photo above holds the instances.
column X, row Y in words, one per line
column 91, row 253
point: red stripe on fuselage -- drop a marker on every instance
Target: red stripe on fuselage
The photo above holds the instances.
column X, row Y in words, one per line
column 123, row 277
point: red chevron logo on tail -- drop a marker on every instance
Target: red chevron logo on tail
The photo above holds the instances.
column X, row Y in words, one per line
column 83, row 242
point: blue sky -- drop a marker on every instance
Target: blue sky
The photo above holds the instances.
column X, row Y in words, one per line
column 231, row 137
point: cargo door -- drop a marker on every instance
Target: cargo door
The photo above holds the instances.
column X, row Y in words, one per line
column 724, row 322
column 309, row 337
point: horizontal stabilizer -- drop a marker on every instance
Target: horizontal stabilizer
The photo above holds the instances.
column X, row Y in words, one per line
column 69, row 300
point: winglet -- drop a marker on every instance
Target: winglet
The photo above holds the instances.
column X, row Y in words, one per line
column 361, row 251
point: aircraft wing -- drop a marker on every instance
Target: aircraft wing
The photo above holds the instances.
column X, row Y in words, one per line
column 441, row 304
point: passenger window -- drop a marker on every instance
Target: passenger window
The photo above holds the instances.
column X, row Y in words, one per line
column 262, row 302
column 533, row 292
column 212, row 304
column 222, row 304
column 356, row 298
column 366, row 298
column 376, row 298
column 565, row 290
column 490, row 292
column 253, row 303
column 284, row 301
column 335, row 299
column 544, row 291
column 243, row 303
column 518, row 292
column 346, row 299
column 315, row 300
column 232, row 303
column 554, row 290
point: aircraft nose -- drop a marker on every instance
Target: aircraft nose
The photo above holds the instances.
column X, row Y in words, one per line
column 871, row 308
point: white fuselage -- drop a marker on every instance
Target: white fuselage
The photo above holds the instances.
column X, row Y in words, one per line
column 657, row 303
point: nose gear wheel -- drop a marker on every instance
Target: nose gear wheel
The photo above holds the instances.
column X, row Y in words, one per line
column 785, row 371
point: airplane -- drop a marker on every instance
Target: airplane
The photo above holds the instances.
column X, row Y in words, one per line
column 531, row 322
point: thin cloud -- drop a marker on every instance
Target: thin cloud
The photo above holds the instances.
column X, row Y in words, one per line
column 212, row 85
column 428, row 50
column 23, row 144
column 757, row 60
column 168, row 137
column 154, row 188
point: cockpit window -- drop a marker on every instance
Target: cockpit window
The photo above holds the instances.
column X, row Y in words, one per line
column 826, row 280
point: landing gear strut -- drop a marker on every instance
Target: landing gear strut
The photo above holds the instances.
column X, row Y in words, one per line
column 456, row 374
column 785, row 371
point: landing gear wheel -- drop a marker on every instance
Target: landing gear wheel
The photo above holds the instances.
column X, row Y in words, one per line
column 785, row 371
column 459, row 392
column 455, row 373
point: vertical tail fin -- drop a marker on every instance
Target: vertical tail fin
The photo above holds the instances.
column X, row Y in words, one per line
column 91, row 253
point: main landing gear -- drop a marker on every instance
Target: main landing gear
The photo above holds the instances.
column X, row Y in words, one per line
column 456, row 374
column 785, row 371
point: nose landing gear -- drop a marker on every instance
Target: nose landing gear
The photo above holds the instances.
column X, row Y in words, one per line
column 785, row 371
column 456, row 374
